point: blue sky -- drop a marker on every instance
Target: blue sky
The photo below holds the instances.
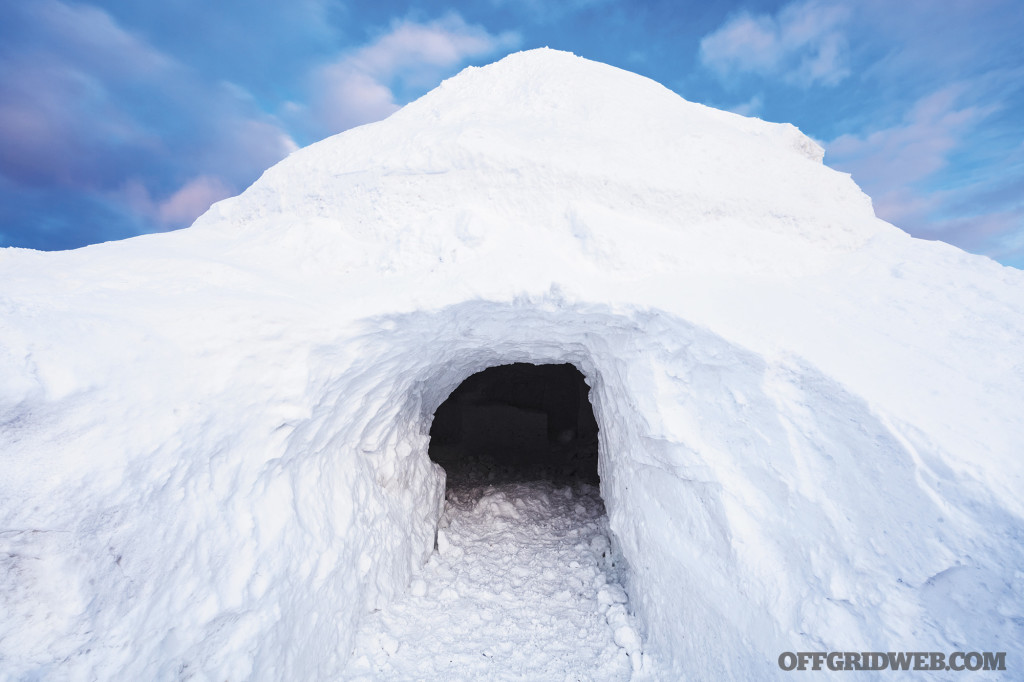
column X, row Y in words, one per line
column 120, row 117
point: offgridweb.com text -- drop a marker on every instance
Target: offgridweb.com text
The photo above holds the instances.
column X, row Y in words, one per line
column 892, row 660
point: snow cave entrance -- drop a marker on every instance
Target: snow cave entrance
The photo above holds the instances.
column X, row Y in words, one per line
column 515, row 423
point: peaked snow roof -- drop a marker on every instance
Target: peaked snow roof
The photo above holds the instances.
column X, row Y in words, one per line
column 536, row 146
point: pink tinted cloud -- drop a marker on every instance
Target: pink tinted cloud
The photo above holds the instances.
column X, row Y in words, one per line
column 349, row 97
column 70, row 118
column 895, row 165
column 191, row 201
column 178, row 209
column 891, row 163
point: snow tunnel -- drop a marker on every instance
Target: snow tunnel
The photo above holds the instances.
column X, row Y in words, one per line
column 517, row 422
column 669, row 402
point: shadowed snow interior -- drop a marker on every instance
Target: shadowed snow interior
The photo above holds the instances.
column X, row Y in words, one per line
column 518, row 422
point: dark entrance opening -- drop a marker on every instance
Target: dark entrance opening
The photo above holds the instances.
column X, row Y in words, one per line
column 517, row 422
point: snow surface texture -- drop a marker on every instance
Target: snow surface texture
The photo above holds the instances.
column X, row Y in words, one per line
column 214, row 441
column 523, row 587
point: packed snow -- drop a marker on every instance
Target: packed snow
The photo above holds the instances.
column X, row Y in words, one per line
column 523, row 586
column 214, row 442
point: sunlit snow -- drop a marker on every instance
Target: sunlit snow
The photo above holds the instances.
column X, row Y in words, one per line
column 214, row 442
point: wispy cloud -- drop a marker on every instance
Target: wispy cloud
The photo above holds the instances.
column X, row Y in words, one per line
column 55, row 122
column 92, row 109
column 359, row 87
column 803, row 45
column 85, row 104
column 94, row 39
column 902, row 168
column 891, row 163
column 752, row 107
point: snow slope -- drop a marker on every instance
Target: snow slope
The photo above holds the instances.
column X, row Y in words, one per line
column 213, row 442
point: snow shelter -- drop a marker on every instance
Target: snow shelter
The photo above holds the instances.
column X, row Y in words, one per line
column 215, row 442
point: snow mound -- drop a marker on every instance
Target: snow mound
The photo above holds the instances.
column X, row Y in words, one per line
column 214, row 441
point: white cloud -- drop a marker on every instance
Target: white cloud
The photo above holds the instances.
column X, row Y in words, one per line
column 744, row 43
column 752, row 107
column 441, row 43
column 359, row 87
column 802, row 44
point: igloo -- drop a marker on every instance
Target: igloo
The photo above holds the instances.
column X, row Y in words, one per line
column 214, row 442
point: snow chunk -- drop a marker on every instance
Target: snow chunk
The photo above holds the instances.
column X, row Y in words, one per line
column 611, row 593
column 626, row 637
column 496, row 504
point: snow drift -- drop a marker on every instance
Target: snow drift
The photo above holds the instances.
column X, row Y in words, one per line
column 214, row 441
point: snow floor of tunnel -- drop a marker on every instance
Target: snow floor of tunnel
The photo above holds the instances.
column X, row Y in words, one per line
column 522, row 585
